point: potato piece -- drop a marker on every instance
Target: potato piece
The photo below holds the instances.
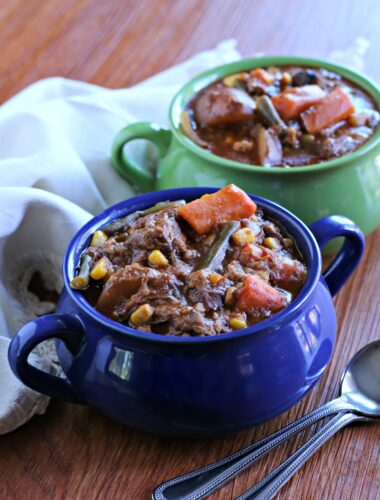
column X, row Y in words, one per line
column 117, row 288
column 222, row 105
column 269, row 147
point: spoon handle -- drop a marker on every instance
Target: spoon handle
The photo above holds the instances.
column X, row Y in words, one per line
column 201, row 482
column 271, row 484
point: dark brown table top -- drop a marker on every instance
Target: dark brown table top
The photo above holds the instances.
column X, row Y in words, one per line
column 74, row 452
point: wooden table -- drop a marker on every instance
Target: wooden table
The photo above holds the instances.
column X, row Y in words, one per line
column 74, row 452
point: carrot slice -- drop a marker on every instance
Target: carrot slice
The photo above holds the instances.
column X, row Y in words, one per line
column 333, row 108
column 257, row 294
column 229, row 203
column 292, row 102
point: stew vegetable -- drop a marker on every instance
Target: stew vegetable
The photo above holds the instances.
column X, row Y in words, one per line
column 281, row 116
column 205, row 267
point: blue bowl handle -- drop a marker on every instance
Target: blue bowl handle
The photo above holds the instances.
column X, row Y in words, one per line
column 348, row 256
column 67, row 328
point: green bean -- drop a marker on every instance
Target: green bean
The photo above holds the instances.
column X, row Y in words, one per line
column 162, row 205
column 125, row 222
column 214, row 257
column 82, row 279
column 268, row 112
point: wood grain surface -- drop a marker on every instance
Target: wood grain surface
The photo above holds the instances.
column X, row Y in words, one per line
column 74, row 452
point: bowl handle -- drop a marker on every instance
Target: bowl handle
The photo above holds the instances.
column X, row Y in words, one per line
column 348, row 256
column 67, row 328
column 136, row 174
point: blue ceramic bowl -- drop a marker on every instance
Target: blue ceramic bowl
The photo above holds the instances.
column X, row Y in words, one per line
column 193, row 385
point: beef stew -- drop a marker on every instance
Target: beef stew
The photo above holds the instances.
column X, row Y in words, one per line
column 205, row 267
column 281, row 116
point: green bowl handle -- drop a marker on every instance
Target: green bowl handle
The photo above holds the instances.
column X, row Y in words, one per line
column 153, row 132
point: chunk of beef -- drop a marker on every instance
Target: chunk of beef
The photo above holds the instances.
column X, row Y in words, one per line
column 118, row 252
column 158, row 231
column 200, row 289
column 135, row 285
column 192, row 322
column 328, row 147
column 281, row 270
column 235, row 271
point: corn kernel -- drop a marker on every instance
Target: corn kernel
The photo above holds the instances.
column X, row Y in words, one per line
column 307, row 139
column 272, row 243
column 215, row 278
column 243, row 236
column 232, row 80
column 142, row 315
column 205, row 196
column 79, row 282
column 98, row 239
column 237, row 323
column 286, row 78
column 110, row 272
column 100, row 269
column 288, row 242
column 229, row 297
column 158, row 259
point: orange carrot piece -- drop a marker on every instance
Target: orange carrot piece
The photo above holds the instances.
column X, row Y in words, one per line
column 262, row 75
column 229, row 203
column 257, row 294
column 292, row 102
column 333, row 108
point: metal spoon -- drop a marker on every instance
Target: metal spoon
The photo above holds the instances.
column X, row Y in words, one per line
column 359, row 400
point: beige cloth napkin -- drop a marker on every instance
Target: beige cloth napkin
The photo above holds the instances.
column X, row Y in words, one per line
column 55, row 173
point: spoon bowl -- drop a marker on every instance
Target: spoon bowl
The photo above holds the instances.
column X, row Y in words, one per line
column 360, row 382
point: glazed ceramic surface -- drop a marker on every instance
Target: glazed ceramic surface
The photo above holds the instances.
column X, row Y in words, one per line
column 348, row 186
column 193, row 386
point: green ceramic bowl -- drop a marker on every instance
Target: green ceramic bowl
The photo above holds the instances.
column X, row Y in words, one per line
column 348, row 186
